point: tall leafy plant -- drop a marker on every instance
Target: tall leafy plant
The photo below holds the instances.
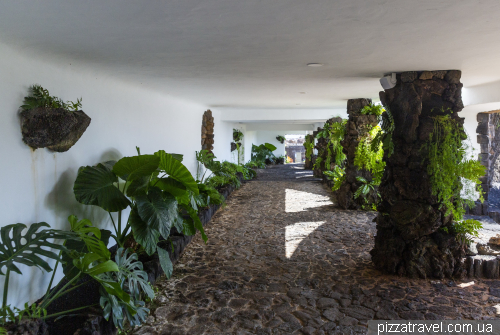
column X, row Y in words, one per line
column 262, row 152
column 154, row 187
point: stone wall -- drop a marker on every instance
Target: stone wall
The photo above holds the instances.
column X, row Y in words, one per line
column 207, row 131
column 357, row 127
column 409, row 240
column 488, row 137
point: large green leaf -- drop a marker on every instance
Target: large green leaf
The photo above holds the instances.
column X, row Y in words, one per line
column 26, row 249
column 156, row 211
column 270, row 146
column 171, row 186
column 94, row 185
column 137, row 185
column 143, row 234
column 193, row 214
column 165, row 262
column 177, row 170
column 131, row 168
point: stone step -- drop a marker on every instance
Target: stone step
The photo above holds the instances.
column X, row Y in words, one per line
column 481, row 266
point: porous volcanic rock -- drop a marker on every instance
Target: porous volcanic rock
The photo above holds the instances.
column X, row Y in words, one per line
column 409, row 240
column 357, row 127
column 54, row 128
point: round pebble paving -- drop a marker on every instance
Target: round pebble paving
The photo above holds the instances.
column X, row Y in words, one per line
column 282, row 259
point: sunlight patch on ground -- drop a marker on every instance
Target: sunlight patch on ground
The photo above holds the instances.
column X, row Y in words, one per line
column 466, row 284
column 298, row 201
column 296, row 233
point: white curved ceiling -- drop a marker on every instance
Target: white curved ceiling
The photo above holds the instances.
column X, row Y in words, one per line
column 253, row 53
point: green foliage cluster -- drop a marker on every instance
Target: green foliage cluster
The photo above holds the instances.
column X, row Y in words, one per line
column 364, row 190
column 384, row 136
column 373, row 109
column 368, row 159
column 262, row 152
column 337, row 175
column 281, row 139
column 237, row 137
column 40, row 98
column 223, row 173
column 83, row 252
column 448, row 163
column 465, row 228
column 309, row 145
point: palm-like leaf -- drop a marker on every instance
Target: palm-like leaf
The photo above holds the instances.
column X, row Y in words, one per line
column 158, row 213
column 94, row 185
column 27, row 249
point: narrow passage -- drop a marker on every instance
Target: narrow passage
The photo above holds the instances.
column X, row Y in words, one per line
column 282, row 259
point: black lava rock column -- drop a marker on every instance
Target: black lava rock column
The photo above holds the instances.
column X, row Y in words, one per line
column 357, row 127
column 409, row 241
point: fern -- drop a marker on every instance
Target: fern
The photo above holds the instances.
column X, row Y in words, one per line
column 385, row 136
column 368, row 159
column 372, row 109
column 448, row 163
column 40, row 98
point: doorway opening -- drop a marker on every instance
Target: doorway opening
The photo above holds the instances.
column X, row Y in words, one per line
column 294, row 148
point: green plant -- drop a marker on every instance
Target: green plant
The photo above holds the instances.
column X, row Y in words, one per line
column 448, row 163
column 237, row 137
column 309, row 145
column 385, row 136
column 155, row 188
column 464, row 229
column 26, row 249
column 372, row 109
column 255, row 165
column 281, row 139
column 335, row 135
column 262, row 152
column 365, row 189
column 134, row 281
column 40, row 98
column 371, row 160
column 337, row 175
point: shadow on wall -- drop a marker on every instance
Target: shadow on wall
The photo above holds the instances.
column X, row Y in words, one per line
column 61, row 200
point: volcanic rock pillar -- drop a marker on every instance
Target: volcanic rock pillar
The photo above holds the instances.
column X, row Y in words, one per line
column 409, row 240
column 357, row 127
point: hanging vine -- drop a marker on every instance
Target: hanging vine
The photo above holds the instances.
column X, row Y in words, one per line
column 448, row 163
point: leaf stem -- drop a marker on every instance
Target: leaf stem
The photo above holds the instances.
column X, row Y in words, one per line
column 48, row 302
column 5, row 290
column 71, row 310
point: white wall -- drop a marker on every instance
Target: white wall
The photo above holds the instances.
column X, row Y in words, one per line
column 37, row 185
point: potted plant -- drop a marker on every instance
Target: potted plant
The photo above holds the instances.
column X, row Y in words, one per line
column 49, row 122
column 280, row 139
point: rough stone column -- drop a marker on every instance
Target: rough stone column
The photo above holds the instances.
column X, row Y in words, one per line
column 207, row 131
column 357, row 127
column 409, row 240
column 308, row 163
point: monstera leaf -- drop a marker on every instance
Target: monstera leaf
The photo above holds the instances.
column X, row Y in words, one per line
column 131, row 168
column 133, row 310
column 131, row 271
column 27, row 248
column 94, row 185
column 175, row 169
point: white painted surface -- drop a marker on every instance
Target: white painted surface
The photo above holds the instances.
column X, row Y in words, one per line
column 37, row 185
column 254, row 53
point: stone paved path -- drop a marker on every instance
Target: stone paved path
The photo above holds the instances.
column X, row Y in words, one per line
column 281, row 259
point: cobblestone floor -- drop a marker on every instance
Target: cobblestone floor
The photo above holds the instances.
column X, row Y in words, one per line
column 281, row 259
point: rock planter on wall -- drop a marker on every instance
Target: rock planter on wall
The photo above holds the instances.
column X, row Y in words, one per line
column 409, row 240
column 207, row 131
column 357, row 127
column 54, row 128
